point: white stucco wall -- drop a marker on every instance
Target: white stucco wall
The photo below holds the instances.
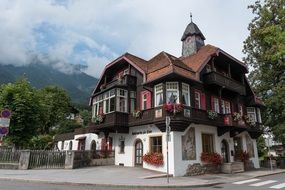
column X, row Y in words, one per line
column 89, row 138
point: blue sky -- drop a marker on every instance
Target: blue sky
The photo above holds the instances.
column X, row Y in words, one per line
column 95, row 32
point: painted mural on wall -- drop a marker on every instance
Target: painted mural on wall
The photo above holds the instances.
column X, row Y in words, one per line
column 189, row 145
column 249, row 146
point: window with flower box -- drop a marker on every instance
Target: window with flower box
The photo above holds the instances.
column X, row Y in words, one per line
column 172, row 92
column 156, row 144
column 215, row 103
column 208, row 143
column 226, row 107
column 158, row 97
column 185, row 94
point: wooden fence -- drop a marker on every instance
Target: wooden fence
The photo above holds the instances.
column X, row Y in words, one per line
column 9, row 156
column 43, row 159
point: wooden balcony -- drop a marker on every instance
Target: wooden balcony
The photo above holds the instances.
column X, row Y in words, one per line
column 127, row 80
column 224, row 81
column 116, row 121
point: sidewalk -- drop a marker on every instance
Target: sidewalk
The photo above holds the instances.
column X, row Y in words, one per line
column 124, row 177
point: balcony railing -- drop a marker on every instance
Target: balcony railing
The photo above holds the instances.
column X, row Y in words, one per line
column 179, row 121
column 126, row 80
column 224, row 81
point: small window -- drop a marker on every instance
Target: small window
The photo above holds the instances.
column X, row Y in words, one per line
column 226, row 107
column 197, row 99
column 158, row 91
column 240, row 109
column 62, row 145
column 172, row 92
column 208, row 143
column 185, row 94
column 251, row 114
column 122, row 147
column 70, row 145
column 156, row 144
column 216, row 104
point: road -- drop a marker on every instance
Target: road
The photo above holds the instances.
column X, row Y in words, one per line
column 261, row 183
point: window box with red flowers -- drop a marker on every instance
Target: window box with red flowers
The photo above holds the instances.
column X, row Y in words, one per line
column 173, row 107
column 155, row 159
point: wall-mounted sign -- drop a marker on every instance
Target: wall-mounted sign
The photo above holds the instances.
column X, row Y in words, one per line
column 141, row 132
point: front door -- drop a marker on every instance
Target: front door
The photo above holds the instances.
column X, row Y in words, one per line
column 138, row 152
column 225, row 151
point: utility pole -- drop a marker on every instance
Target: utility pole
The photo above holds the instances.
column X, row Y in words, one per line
column 167, row 124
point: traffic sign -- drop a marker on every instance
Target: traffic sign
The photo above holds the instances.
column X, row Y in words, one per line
column 4, row 131
column 5, row 113
column 4, row 122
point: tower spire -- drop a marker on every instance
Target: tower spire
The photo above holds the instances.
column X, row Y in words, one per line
column 191, row 17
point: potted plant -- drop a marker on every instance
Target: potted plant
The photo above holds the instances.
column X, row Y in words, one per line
column 173, row 107
column 236, row 116
column 155, row 159
column 98, row 118
column 137, row 113
column 212, row 114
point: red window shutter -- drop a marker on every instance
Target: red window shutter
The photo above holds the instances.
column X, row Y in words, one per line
column 203, row 101
column 141, row 100
column 212, row 103
column 148, row 103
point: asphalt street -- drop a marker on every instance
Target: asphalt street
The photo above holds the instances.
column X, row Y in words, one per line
column 260, row 183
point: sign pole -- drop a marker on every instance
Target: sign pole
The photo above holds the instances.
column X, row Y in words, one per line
column 167, row 122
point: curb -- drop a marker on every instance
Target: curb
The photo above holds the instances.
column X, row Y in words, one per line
column 268, row 174
column 111, row 185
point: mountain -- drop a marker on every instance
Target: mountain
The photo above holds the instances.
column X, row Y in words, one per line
column 79, row 85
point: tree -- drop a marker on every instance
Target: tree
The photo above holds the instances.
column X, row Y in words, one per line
column 86, row 116
column 21, row 99
column 55, row 106
column 265, row 53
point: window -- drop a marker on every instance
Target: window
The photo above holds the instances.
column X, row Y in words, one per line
column 158, row 91
column 208, row 143
column 251, row 114
column 156, row 144
column 240, row 109
column 215, row 104
column 70, row 145
column 226, row 107
column 132, row 101
column 109, row 101
column 122, row 100
column 144, row 101
column 172, row 92
column 197, row 99
column 259, row 115
column 122, row 146
column 200, row 100
column 185, row 94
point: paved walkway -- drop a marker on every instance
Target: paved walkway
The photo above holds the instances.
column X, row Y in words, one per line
column 124, row 176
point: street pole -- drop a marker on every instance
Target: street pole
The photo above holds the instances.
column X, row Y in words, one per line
column 167, row 125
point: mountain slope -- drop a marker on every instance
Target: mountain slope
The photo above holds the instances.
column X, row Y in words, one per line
column 78, row 85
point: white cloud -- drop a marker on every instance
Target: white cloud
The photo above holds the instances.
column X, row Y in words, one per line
column 110, row 28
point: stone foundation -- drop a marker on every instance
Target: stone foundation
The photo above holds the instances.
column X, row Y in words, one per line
column 195, row 169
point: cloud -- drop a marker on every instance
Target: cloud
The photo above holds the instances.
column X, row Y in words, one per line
column 93, row 32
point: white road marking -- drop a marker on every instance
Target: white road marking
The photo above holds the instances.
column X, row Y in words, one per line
column 263, row 183
column 246, row 181
column 279, row 186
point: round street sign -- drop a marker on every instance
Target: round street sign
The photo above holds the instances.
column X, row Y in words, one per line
column 6, row 113
column 4, row 131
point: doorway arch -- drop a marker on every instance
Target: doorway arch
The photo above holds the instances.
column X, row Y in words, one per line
column 225, row 151
column 138, row 152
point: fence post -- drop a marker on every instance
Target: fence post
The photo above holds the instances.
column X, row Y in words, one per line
column 69, row 160
column 24, row 159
